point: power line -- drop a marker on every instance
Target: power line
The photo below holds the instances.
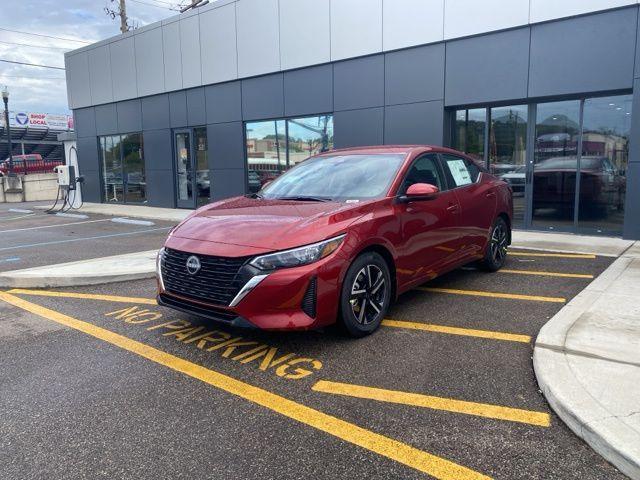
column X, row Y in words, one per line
column 33, row 46
column 31, row 64
column 46, row 36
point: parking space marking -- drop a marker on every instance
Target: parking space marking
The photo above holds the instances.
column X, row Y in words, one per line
column 486, row 410
column 510, row 296
column 85, row 296
column 546, row 274
column 18, row 218
column 97, row 237
column 587, row 256
column 52, row 226
column 20, row 210
column 403, row 453
column 468, row 332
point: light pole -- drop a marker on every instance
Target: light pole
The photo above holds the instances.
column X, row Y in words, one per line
column 5, row 99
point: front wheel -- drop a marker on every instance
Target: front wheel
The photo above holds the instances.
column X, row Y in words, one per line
column 496, row 253
column 365, row 294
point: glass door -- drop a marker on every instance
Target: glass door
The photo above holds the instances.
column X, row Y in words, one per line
column 193, row 186
column 184, row 169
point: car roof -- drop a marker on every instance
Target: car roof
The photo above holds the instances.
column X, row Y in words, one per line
column 381, row 149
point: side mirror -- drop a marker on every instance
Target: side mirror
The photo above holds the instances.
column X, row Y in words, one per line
column 419, row 192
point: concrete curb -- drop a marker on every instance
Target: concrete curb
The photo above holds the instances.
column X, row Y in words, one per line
column 97, row 271
column 578, row 367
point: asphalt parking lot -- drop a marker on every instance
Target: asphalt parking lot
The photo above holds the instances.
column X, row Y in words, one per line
column 30, row 237
column 102, row 382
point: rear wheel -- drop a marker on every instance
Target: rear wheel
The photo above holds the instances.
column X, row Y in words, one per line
column 496, row 252
column 365, row 294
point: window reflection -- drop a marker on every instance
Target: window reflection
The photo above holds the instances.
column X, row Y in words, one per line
column 555, row 164
column 605, row 154
column 274, row 146
column 469, row 132
column 203, row 184
column 123, row 174
column 508, row 151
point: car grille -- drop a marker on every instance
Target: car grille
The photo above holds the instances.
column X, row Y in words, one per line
column 204, row 311
column 216, row 282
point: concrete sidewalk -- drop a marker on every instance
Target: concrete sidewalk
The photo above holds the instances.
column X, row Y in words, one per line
column 136, row 211
column 96, row 271
column 587, row 361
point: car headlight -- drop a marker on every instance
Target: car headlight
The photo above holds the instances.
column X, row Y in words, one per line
column 298, row 256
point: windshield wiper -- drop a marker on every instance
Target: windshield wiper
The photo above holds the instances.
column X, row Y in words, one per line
column 254, row 195
column 303, row 198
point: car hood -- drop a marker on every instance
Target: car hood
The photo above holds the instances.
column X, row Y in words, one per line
column 269, row 224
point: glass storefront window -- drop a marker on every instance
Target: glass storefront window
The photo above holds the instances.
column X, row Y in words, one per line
column 469, row 132
column 555, row 164
column 203, row 183
column 274, row 146
column 123, row 174
column 508, row 152
column 606, row 127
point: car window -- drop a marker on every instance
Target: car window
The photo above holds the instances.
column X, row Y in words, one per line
column 459, row 170
column 424, row 170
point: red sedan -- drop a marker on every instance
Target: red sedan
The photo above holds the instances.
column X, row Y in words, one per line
column 336, row 238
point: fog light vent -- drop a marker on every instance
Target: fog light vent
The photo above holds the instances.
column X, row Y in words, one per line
column 309, row 299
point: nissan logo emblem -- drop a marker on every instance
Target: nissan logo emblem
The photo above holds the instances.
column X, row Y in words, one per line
column 193, row 265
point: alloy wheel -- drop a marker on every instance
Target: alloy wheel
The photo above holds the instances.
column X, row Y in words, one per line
column 499, row 240
column 368, row 294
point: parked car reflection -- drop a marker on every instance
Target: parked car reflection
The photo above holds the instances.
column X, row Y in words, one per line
column 602, row 187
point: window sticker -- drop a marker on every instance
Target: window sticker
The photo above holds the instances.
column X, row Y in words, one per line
column 459, row 172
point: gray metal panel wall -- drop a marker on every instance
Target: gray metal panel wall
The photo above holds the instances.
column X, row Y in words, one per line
column 223, row 102
column 158, row 160
column 414, row 75
column 89, row 165
column 489, row 68
column 359, row 127
column 196, row 108
column 106, row 119
column 129, row 116
column 308, row 91
column 157, row 150
column 263, row 97
column 178, row 109
column 226, row 159
column 414, row 123
column 84, row 121
column 359, row 83
column 155, row 112
column 225, row 142
column 584, row 54
column 637, row 72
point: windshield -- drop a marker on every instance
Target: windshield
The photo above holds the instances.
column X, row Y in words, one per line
column 339, row 177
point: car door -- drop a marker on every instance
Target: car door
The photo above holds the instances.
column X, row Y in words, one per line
column 477, row 199
column 429, row 227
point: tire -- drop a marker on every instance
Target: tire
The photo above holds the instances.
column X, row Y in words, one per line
column 367, row 284
column 496, row 252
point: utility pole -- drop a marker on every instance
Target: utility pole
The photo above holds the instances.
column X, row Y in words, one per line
column 123, row 17
column 194, row 4
column 120, row 12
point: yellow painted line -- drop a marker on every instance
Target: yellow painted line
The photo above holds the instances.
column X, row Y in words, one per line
column 553, row 255
column 510, row 296
column 86, row 296
column 468, row 332
column 349, row 432
column 546, row 274
column 486, row 410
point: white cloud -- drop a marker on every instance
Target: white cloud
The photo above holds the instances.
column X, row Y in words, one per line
column 43, row 89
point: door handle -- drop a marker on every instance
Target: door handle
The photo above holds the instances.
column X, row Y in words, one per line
column 452, row 208
column 491, row 195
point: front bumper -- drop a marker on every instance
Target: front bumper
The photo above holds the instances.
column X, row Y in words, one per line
column 279, row 301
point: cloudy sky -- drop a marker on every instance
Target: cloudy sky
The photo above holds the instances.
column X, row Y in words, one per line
column 43, row 89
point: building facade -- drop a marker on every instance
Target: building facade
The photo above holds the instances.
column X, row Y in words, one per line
column 216, row 102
